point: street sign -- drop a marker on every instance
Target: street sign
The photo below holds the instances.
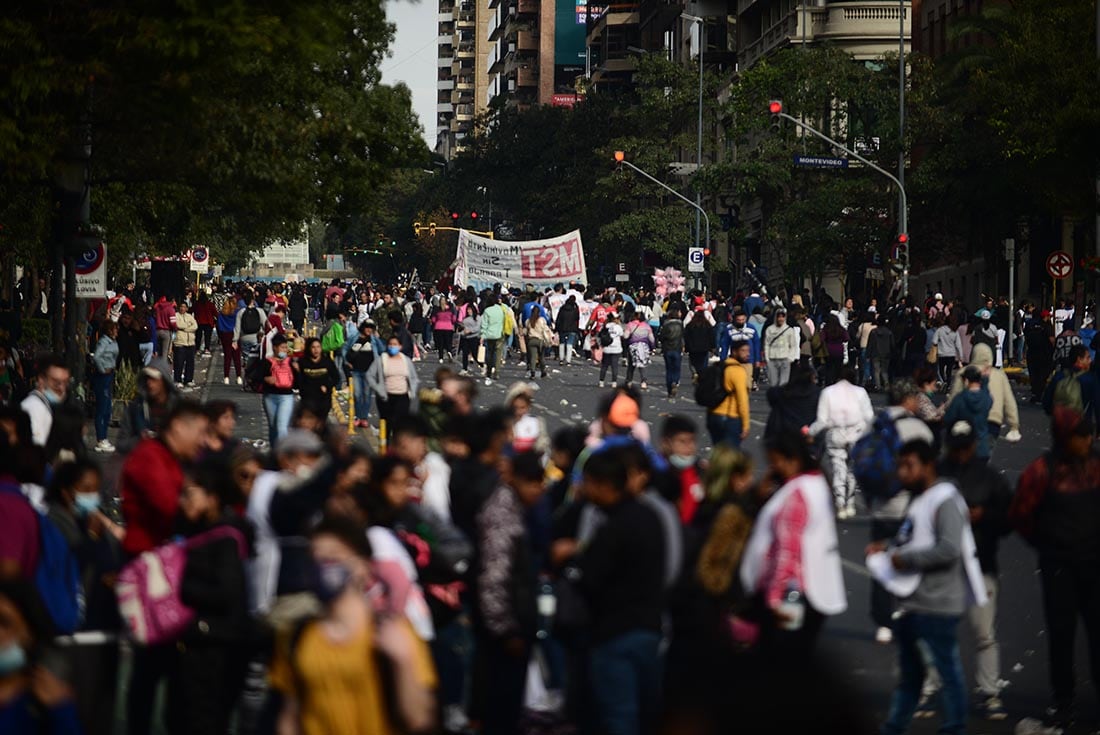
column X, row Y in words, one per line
column 622, row 278
column 695, row 260
column 820, row 162
column 622, row 268
column 200, row 260
column 874, row 274
column 1059, row 265
column 91, row 273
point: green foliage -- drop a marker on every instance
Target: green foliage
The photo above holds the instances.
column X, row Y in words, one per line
column 226, row 124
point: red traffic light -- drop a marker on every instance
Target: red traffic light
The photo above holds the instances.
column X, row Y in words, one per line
column 454, row 216
column 903, row 238
column 775, row 107
column 473, row 215
column 706, row 252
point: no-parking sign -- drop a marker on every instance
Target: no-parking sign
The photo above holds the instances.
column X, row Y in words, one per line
column 200, row 260
column 91, row 273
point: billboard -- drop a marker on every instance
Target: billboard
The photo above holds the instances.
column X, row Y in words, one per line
column 481, row 262
column 570, row 32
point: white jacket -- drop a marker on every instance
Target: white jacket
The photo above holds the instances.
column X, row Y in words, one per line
column 782, row 343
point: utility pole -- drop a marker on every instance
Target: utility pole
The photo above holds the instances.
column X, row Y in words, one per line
column 1010, row 256
column 901, row 133
column 699, row 141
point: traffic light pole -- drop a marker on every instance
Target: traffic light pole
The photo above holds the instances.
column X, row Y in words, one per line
column 903, row 215
column 675, row 193
column 485, row 233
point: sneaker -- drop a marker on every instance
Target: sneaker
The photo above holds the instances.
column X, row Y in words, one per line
column 225, row 381
column 644, row 385
column 239, row 381
column 884, row 635
column 488, row 381
column 672, row 391
column 926, row 707
column 105, row 447
column 992, row 708
column 601, row 384
column 464, row 372
column 542, row 375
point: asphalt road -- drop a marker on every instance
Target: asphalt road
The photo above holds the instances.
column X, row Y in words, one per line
column 570, row 395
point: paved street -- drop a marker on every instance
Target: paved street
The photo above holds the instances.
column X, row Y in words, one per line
column 570, row 395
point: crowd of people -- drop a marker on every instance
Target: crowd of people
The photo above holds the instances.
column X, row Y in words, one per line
column 470, row 571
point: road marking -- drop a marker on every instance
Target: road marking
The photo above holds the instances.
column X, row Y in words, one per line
column 857, row 568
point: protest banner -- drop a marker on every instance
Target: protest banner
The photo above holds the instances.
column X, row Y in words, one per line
column 481, row 262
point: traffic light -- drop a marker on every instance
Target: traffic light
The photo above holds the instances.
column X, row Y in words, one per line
column 381, row 241
column 775, row 107
column 393, row 243
column 431, row 229
column 454, row 216
column 416, row 229
column 901, row 253
column 473, row 216
column 706, row 252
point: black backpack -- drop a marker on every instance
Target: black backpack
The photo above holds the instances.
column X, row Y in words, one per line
column 250, row 321
column 710, row 391
column 605, row 338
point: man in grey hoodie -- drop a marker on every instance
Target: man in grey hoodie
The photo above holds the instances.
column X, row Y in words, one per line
column 156, row 396
column 937, row 576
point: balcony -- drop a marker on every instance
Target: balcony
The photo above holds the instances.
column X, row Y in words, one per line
column 445, row 84
column 466, row 18
column 444, row 107
column 466, row 81
column 527, row 7
column 613, row 16
column 527, row 41
column 867, row 30
column 445, row 59
column 466, row 50
column 527, row 77
column 445, row 17
column 464, row 112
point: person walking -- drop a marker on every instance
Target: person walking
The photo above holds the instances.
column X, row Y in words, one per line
column 278, row 380
column 781, row 348
column 1004, row 413
column 948, row 346
column 165, row 313
column 105, row 359
column 844, row 414
column 247, row 327
column 183, row 349
column 539, row 336
column 988, row 497
column 880, row 351
column 365, row 350
column 671, row 337
column 729, row 421
column 317, row 378
column 567, row 323
column 640, row 342
column 231, row 355
column 444, row 319
column 973, row 405
column 835, row 339
column 206, row 315
column 492, row 334
column 1055, row 510
column 611, row 340
column 699, row 340
column 932, row 567
column 469, row 337
column 393, row 380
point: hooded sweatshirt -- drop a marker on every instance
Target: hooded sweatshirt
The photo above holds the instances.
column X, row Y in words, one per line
column 1004, row 409
column 972, row 406
column 141, row 415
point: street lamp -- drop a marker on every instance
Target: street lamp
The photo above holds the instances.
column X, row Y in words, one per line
column 620, row 158
column 699, row 142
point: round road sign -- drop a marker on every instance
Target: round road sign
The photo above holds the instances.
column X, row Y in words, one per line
column 1059, row 264
column 695, row 256
column 199, row 255
column 90, row 260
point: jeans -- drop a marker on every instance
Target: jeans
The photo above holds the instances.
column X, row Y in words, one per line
column 1070, row 590
column 881, row 368
column 203, row 339
column 230, row 354
column 724, row 430
column 779, row 372
column 444, row 340
column 674, row 363
column 362, row 395
column 626, row 682
column 938, row 634
column 147, row 350
column 494, row 353
column 451, row 651
column 567, row 344
column 534, row 356
column 103, row 387
column 183, row 364
column 610, row 360
column 165, row 337
column 865, row 366
column 279, row 408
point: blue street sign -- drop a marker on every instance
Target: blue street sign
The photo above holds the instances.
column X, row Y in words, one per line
column 820, row 162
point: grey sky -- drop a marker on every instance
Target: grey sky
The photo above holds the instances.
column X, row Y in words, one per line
column 414, row 55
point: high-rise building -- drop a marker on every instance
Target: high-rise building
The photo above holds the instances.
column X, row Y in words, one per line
column 462, row 78
column 538, row 51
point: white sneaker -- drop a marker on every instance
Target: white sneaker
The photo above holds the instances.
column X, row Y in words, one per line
column 105, row 446
column 601, row 384
column 488, row 381
column 884, row 635
column 239, row 381
column 225, row 381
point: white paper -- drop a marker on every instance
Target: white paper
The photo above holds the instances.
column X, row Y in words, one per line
column 899, row 584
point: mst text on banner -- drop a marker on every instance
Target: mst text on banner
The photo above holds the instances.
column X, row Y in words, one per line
column 481, row 262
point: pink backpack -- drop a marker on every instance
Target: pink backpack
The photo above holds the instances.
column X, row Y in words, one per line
column 148, row 588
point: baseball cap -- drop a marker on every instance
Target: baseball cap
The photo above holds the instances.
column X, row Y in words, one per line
column 299, row 441
column 984, row 314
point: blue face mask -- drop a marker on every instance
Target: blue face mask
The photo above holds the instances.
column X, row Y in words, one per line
column 331, row 581
column 51, row 397
column 12, row 659
column 86, row 503
column 393, row 350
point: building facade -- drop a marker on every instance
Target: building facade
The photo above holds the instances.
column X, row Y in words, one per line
column 462, row 71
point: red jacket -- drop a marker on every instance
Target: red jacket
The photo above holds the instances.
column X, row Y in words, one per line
column 164, row 310
column 150, row 487
column 206, row 313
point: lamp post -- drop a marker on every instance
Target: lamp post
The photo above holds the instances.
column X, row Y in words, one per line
column 699, row 142
column 620, row 158
column 901, row 130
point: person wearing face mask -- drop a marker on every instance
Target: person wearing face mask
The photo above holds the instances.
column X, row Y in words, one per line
column 51, row 388
column 682, row 483
column 329, row 671
column 33, row 699
column 208, row 674
column 73, row 499
column 393, row 379
column 278, row 378
column 318, row 377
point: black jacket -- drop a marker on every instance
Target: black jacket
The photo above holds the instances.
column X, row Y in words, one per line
column 214, row 587
column 699, row 336
column 569, row 319
column 986, row 488
column 792, row 407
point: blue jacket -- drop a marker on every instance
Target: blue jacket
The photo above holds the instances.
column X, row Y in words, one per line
column 227, row 323
column 725, row 339
column 972, row 406
column 1090, row 392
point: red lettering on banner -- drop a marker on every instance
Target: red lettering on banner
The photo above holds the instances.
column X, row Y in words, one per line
column 553, row 261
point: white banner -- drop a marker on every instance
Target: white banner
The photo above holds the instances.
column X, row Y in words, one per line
column 481, row 262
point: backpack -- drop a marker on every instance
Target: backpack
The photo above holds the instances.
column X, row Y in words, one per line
column 710, row 391
column 333, row 338
column 605, row 337
column 509, row 321
column 250, row 321
column 1067, row 392
column 57, row 576
column 148, row 588
column 283, row 372
column 874, row 459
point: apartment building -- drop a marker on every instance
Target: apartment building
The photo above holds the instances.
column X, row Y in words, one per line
column 462, row 70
